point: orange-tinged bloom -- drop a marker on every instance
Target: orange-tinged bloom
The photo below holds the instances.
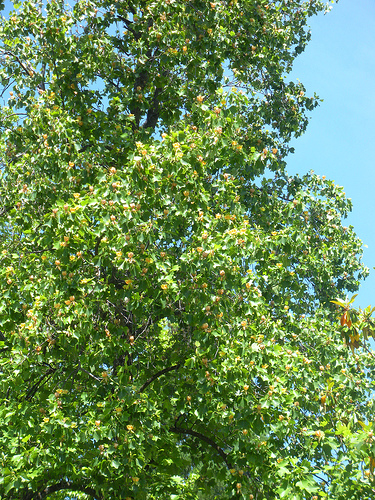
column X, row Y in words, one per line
column 343, row 319
column 319, row 434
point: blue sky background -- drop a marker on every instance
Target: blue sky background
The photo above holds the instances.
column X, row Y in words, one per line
column 339, row 65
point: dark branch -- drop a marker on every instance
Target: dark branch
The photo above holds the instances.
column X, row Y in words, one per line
column 42, row 380
column 202, row 437
column 62, row 485
column 90, row 145
column 154, row 111
column 157, row 375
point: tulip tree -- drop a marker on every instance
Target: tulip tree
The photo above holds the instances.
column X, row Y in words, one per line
column 167, row 324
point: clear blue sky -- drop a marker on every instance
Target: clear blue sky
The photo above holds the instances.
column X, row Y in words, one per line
column 339, row 65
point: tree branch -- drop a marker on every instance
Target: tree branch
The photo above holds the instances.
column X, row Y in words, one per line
column 157, row 375
column 42, row 380
column 202, row 437
column 18, row 60
column 62, row 485
column 154, row 110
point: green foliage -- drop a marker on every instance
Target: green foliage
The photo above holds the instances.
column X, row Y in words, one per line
column 167, row 330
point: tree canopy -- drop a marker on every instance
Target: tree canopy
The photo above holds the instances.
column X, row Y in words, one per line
column 167, row 324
